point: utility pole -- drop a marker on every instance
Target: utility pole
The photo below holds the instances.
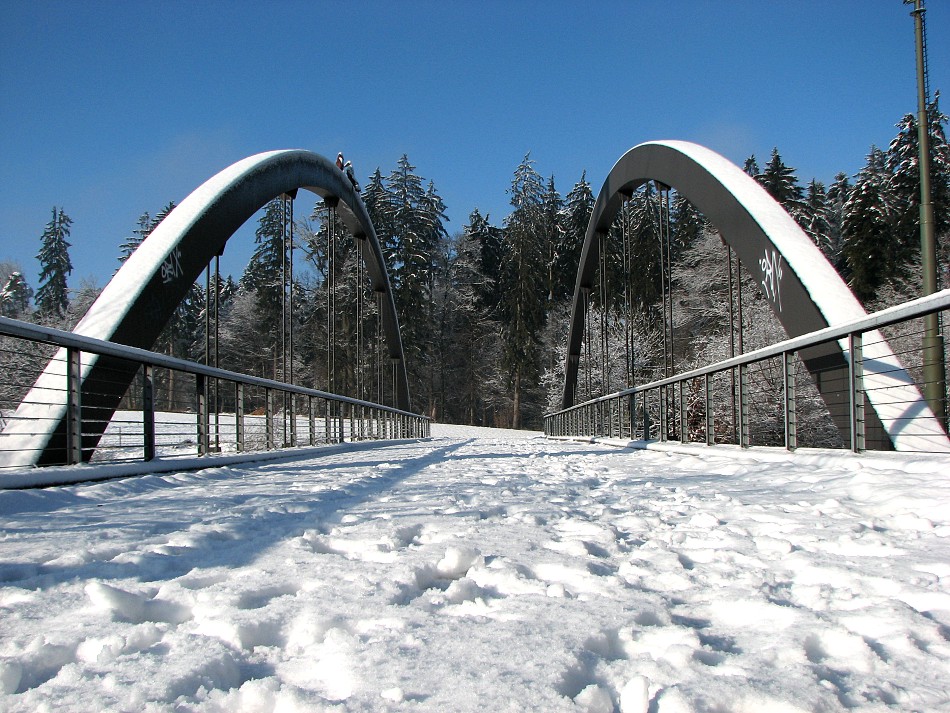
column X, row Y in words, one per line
column 933, row 358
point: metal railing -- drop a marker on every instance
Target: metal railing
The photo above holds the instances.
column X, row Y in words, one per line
column 174, row 407
column 769, row 397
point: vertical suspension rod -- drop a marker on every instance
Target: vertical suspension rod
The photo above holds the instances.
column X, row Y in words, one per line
column 732, row 340
column 587, row 329
column 217, row 351
column 666, row 359
column 605, row 373
column 290, row 328
column 282, row 336
column 628, row 328
column 379, row 347
column 669, row 267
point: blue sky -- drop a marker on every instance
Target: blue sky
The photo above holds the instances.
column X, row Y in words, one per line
column 110, row 109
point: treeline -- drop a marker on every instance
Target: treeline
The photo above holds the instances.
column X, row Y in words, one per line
column 484, row 310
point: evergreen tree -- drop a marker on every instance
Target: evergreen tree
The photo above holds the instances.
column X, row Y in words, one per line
column 52, row 298
column 129, row 245
column 751, row 166
column 15, row 296
column 838, row 194
column 552, row 232
column 578, row 207
column 488, row 241
column 643, row 233
column 904, row 166
column 782, row 184
column 523, row 290
column 687, row 224
column 263, row 277
column 869, row 214
column 377, row 200
column 817, row 217
column 415, row 216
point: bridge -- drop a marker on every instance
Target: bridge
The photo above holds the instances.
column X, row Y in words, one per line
column 71, row 414
column 298, row 548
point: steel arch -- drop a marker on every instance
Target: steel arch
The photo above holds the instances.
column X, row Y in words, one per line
column 140, row 299
column 803, row 289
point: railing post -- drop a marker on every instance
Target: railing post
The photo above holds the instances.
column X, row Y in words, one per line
column 73, row 406
column 269, row 418
column 632, row 406
column 239, row 416
column 684, row 432
column 311, row 420
column 710, row 421
column 646, row 416
column 664, row 416
column 148, row 413
column 293, row 419
column 201, row 399
column 856, row 391
column 744, row 432
column 791, row 401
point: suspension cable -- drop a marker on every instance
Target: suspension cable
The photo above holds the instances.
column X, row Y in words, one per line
column 732, row 338
column 669, row 267
column 602, row 290
column 359, row 319
column 587, row 356
column 379, row 347
column 666, row 368
column 217, row 353
column 329, row 284
column 628, row 328
column 290, row 200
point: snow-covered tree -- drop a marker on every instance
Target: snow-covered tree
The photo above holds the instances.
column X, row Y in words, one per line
column 751, row 166
column 903, row 163
column 838, row 193
column 490, row 252
column 578, row 206
column 52, row 297
column 414, row 216
column 15, row 296
column 782, row 184
column 263, row 277
column 523, row 279
column 869, row 216
column 128, row 246
column 818, row 218
column 552, row 231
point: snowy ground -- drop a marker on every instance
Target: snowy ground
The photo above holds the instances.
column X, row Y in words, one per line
column 485, row 570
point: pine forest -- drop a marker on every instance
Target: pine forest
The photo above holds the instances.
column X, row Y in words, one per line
column 484, row 308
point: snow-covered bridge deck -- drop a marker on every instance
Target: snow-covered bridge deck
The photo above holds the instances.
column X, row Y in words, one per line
column 485, row 570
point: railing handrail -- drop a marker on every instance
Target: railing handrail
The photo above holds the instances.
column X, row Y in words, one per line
column 70, row 340
column 919, row 307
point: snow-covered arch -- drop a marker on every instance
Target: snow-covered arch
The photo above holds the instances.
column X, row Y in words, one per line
column 804, row 290
column 140, row 299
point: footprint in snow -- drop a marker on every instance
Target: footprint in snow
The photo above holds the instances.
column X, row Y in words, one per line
column 136, row 608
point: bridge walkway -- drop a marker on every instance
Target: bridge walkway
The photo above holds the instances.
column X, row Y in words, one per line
column 485, row 569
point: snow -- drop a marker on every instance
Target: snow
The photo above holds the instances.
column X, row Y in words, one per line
column 485, row 570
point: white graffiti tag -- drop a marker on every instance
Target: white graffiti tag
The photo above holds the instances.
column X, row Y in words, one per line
column 772, row 277
column 171, row 268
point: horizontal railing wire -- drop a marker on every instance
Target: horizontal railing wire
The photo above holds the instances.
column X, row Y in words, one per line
column 770, row 397
column 172, row 407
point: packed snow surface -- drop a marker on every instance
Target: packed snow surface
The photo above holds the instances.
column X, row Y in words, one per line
column 485, row 570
